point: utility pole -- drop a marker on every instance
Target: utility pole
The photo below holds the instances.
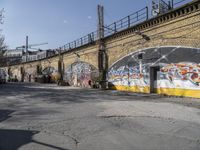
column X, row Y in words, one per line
column 61, row 65
column 102, row 56
column 26, row 47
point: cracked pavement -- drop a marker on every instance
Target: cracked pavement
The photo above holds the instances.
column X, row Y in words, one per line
column 47, row 117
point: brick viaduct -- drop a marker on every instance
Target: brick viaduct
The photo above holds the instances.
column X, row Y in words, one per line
column 178, row 29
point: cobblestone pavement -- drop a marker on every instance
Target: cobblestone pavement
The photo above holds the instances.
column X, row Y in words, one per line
column 47, row 117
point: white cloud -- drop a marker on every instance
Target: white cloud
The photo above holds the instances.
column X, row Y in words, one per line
column 89, row 17
column 65, row 21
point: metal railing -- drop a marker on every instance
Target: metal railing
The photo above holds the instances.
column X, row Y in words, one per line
column 91, row 37
column 124, row 23
column 177, row 3
column 117, row 26
column 127, row 22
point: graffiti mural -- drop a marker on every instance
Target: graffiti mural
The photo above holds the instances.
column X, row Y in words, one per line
column 15, row 74
column 179, row 72
column 183, row 74
column 50, row 74
column 81, row 74
column 30, row 74
column 129, row 75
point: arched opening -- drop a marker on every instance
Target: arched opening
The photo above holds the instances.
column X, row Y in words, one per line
column 39, row 69
column 162, row 70
column 49, row 75
column 81, row 74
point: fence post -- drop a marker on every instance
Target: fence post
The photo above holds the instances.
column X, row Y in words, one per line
column 93, row 36
column 147, row 13
column 129, row 22
column 89, row 38
column 81, row 41
column 137, row 16
column 74, row 44
column 115, row 27
column 172, row 1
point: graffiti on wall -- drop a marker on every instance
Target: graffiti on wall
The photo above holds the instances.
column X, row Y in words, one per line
column 80, row 74
column 129, row 75
column 179, row 69
column 30, row 74
column 51, row 74
column 15, row 74
column 183, row 74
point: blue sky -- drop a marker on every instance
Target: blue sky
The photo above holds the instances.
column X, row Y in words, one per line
column 59, row 21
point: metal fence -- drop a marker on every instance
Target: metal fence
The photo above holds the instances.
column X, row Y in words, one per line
column 177, row 3
column 91, row 37
column 124, row 23
column 117, row 26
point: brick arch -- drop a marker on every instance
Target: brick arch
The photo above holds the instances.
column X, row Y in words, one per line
column 135, row 51
column 50, row 74
column 178, row 71
column 81, row 74
column 48, row 70
column 14, row 73
column 30, row 73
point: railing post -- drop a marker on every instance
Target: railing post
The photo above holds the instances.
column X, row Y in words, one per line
column 147, row 13
column 93, row 36
column 172, row 1
column 69, row 46
column 129, row 22
column 89, row 38
column 115, row 26
column 81, row 41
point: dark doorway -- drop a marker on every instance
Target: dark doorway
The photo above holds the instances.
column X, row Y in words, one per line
column 39, row 69
column 29, row 78
column 153, row 78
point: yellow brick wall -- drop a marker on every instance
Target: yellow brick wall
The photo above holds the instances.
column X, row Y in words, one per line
column 184, row 32
column 181, row 31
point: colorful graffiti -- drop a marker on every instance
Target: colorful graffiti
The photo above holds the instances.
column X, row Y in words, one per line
column 50, row 74
column 129, row 76
column 80, row 74
column 183, row 71
column 30, row 74
column 179, row 71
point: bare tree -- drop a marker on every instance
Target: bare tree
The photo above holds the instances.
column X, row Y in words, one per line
column 2, row 38
column 1, row 16
column 3, row 46
column 2, row 43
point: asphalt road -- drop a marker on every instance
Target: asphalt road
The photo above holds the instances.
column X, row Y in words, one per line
column 47, row 117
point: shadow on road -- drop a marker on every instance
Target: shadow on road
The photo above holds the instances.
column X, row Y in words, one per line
column 50, row 94
column 5, row 114
column 14, row 139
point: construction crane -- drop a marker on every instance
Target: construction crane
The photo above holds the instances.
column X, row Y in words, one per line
column 31, row 46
